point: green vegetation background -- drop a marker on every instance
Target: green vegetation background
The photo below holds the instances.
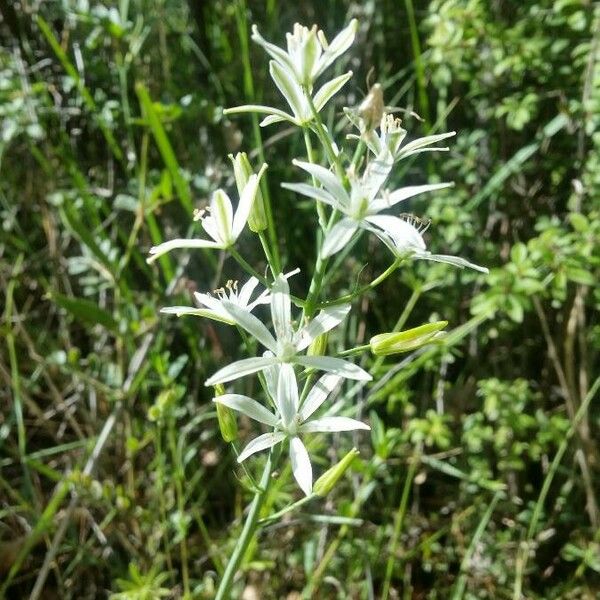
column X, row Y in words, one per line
column 481, row 477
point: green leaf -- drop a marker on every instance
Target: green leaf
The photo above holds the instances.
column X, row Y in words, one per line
column 86, row 311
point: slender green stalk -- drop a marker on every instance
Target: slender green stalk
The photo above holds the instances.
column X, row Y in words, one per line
column 365, row 288
column 310, row 155
column 459, row 590
column 247, row 534
column 419, row 67
column 400, row 514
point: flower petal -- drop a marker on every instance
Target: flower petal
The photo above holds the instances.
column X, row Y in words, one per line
column 272, row 377
column 340, row 43
column 330, row 89
column 424, row 142
column 249, row 407
column 334, row 365
column 312, row 192
column 325, row 321
column 287, row 394
column 246, row 291
column 286, row 83
column 457, row 261
column 281, row 56
column 240, row 368
column 221, row 211
column 318, row 394
column 259, row 108
column 181, row 311
column 339, row 235
column 405, row 236
column 403, row 193
column 246, row 200
column 332, row 424
column 251, row 324
column 262, row 442
column 281, row 307
column 301, row 467
column 327, row 179
column 157, row 251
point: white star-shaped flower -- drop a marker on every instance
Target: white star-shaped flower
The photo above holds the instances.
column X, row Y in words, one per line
column 220, row 222
column 289, row 343
column 211, row 306
column 290, row 420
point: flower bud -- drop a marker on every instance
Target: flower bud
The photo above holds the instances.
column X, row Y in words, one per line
column 242, row 171
column 327, row 481
column 226, row 418
column 318, row 346
column 405, row 341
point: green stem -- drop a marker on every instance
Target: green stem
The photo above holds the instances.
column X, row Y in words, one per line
column 311, row 159
column 365, row 288
column 224, row 591
column 389, row 568
column 247, row 266
column 353, row 351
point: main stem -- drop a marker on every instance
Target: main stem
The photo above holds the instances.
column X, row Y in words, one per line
column 223, row 593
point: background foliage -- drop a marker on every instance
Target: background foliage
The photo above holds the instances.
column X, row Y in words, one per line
column 482, row 477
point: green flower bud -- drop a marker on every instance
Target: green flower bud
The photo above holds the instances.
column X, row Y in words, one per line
column 318, row 346
column 327, row 481
column 226, row 418
column 242, row 170
column 405, row 341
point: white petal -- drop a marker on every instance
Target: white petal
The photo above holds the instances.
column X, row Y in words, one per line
column 340, row 43
column 301, row 467
column 246, row 291
column 157, row 251
column 251, row 324
column 406, row 237
column 240, row 368
column 332, row 424
column 287, row 85
column 313, row 192
column 221, row 211
column 334, row 365
column 281, row 307
column 325, row 321
column 339, row 235
column 287, row 394
column 246, row 405
column 374, row 176
column 403, row 193
column 329, row 90
column 457, row 261
column 258, row 108
column 272, row 376
column 271, row 119
column 262, row 442
column 246, row 201
column 318, row 394
column 277, row 53
column 180, row 311
column 424, row 142
column 327, row 179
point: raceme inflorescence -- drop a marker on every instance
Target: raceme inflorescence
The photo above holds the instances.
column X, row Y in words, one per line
column 297, row 375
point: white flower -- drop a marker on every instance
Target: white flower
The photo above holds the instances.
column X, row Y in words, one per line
column 212, row 305
column 219, row 221
column 288, row 343
column 308, row 53
column 406, row 241
column 295, row 71
column 361, row 206
column 291, row 420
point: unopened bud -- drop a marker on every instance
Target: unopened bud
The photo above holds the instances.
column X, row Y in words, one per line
column 226, row 417
column 318, row 346
column 327, row 481
column 242, row 171
column 405, row 341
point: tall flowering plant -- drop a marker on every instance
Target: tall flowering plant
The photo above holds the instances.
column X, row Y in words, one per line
column 297, row 374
